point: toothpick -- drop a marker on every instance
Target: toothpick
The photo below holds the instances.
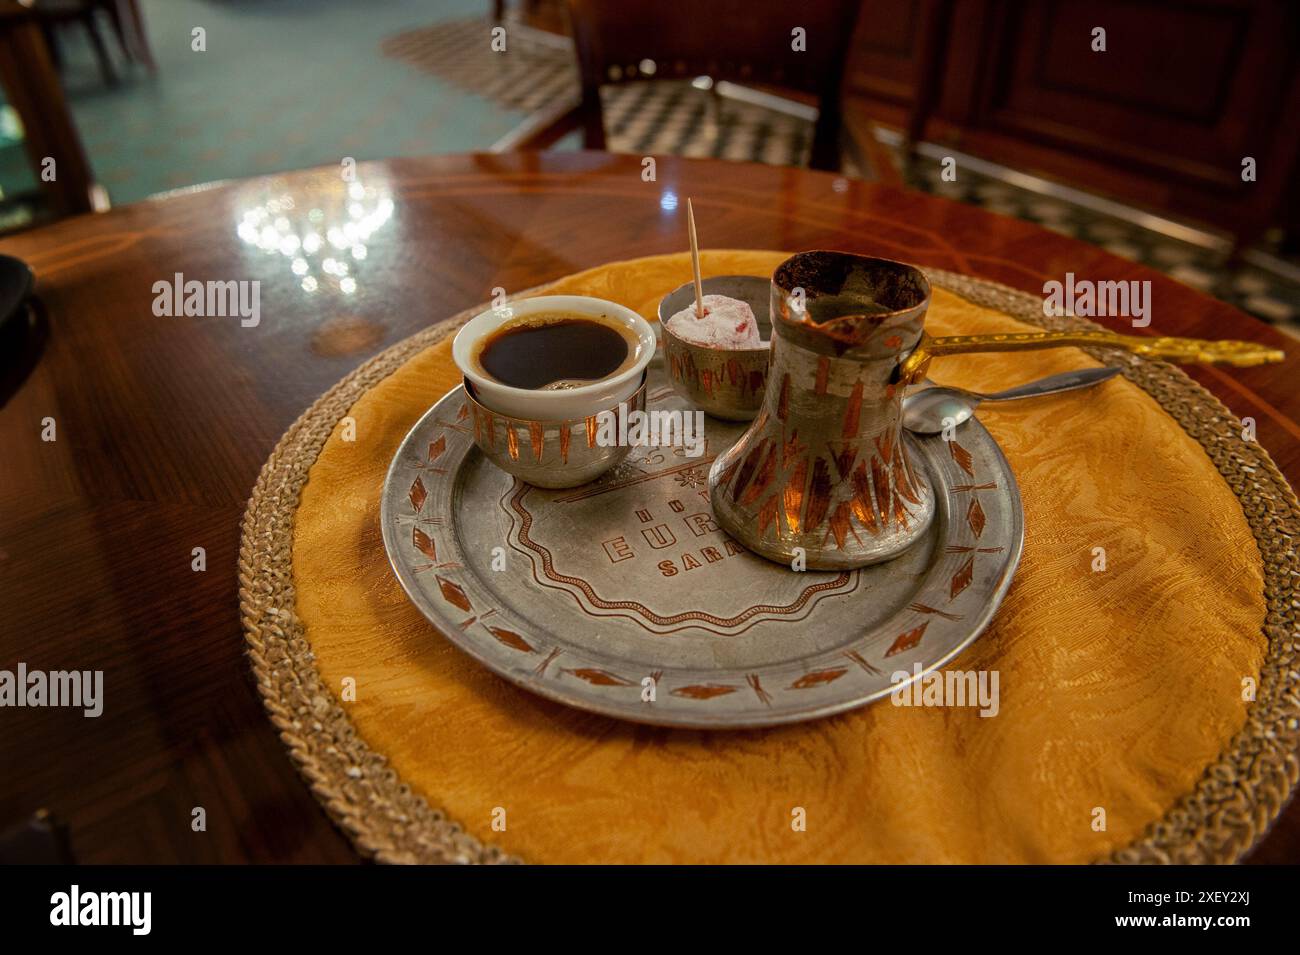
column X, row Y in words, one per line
column 695, row 260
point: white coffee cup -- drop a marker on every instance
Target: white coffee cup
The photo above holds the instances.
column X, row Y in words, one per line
column 560, row 404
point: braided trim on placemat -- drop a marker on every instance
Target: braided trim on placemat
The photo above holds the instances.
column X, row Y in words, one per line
column 1231, row 807
column 359, row 790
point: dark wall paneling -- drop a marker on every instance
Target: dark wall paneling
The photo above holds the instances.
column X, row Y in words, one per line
column 1163, row 117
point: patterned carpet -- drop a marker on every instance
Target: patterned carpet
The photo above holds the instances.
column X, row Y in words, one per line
column 283, row 84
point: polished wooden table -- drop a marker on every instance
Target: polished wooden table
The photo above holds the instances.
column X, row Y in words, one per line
column 163, row 422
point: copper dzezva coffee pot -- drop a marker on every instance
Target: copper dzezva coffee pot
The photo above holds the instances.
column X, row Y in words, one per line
column 826, row 473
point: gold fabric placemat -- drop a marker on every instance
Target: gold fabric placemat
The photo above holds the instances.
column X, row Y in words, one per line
column 1121, row 689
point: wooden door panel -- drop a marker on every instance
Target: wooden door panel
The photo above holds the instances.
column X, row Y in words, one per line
column 1177, row 92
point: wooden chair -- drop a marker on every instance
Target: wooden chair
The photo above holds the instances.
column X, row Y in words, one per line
column 124, row 16
column 32, row 88
column 927, row 70
column 750, row 42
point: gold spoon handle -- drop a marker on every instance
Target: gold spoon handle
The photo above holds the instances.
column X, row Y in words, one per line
column 1183, row 350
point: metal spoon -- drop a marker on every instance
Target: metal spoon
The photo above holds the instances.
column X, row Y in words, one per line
column 931, row 410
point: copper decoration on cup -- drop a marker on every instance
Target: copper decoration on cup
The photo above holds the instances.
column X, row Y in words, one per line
column 551, row 454
column 727, row 383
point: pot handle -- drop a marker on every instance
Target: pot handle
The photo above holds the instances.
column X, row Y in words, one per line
column 1179, row 350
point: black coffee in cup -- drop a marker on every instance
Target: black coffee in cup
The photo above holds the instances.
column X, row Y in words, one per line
column 555, row 348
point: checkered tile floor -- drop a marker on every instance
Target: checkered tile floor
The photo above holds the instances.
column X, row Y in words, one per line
column 1260, row 292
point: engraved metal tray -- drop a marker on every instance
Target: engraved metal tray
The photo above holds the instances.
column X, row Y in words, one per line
column 622, row 597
